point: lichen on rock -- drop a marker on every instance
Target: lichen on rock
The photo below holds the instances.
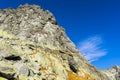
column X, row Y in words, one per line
column 34, row 47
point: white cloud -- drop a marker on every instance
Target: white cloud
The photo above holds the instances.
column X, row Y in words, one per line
column 92, row 49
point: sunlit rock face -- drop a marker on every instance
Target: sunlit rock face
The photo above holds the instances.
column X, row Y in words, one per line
column 113, row 73
column 34, row 47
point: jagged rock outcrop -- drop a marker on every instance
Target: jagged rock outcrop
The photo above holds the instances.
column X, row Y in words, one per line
column 34, row 47
column 113, row 73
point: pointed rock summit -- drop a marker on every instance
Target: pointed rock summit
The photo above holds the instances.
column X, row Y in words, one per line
column 34, row 47
column 113, row 73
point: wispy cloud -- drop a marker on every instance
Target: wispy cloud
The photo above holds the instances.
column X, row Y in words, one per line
column 92, row 49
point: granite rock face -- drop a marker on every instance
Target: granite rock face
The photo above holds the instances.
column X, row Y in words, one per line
column 113, row 73
column 34, row 47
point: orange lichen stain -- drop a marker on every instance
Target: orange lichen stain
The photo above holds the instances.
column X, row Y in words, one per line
column 57, row 53
column 74, row 76
column 48, row 57
column 43, row 69
column 51, row 74
column 34, row 52
column 64, row 66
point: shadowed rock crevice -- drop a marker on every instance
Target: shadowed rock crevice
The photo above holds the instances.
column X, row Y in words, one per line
column 73, row 68
column 72, row 64
column 7, row 73
column 7, row 76
column 13, row 58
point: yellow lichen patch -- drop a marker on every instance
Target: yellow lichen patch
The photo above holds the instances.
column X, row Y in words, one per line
column 53, row 75
column 1, row 78
column 6, row 46
column 22, row 77
column 47, row 56
column 56, row 52
column 24, row 42
column 5, row 34
column 73, row 76
column 34, row 52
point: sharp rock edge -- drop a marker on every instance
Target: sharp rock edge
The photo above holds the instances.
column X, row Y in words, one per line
column 34, row 47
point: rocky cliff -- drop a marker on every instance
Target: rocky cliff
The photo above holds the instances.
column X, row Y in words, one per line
column 34, row 47
column 113, row 73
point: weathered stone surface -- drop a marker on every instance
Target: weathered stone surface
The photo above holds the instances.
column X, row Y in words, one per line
column 22, row 69
column 113, row 73
column 6, row 70
column 34, row 47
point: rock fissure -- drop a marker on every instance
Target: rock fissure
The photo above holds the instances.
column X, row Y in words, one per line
column 13, row 58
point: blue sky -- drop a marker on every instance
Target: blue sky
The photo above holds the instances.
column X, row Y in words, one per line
column 93, row 25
